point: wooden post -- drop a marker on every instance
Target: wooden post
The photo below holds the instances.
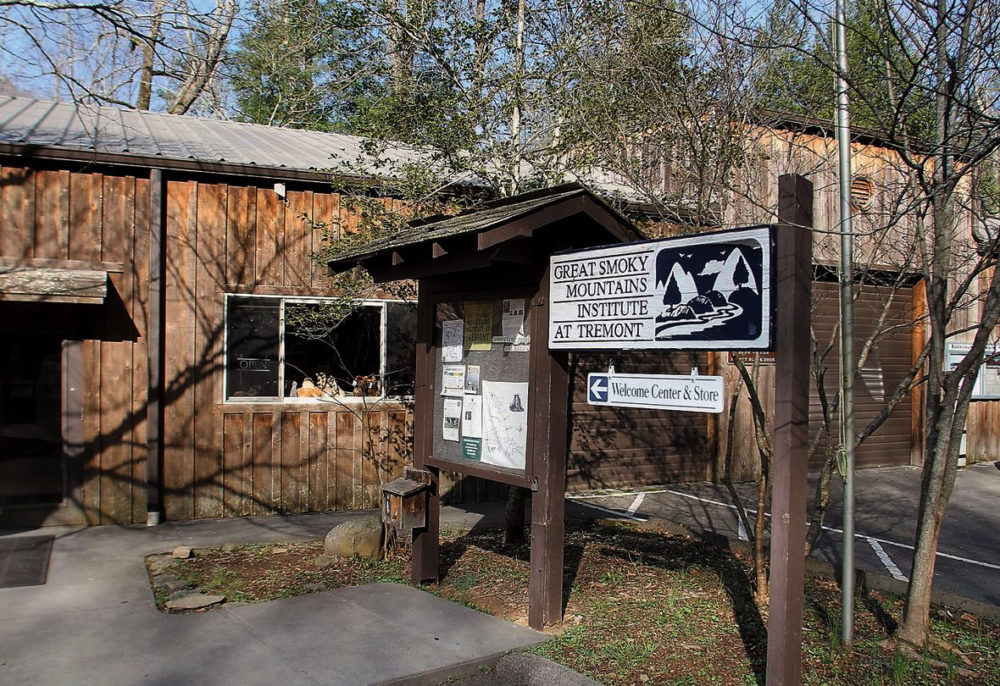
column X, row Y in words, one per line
column 548, row 417
column 791, row 430
column 425, row 541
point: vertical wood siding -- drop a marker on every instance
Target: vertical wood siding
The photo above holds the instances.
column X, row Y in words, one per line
column 219, row 460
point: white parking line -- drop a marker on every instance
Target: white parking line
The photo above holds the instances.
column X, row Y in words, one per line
column 886, row 560
column 883, row 541
column 636, row 503
column 617, row 513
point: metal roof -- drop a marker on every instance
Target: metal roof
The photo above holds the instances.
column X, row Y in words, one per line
column 113, row 131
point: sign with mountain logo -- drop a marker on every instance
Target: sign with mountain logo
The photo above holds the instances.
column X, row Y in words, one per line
column 710, row 291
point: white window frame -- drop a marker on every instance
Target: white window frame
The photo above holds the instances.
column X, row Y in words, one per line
column 380, row 303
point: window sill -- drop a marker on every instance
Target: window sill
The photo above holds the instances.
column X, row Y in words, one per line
column 329, row 404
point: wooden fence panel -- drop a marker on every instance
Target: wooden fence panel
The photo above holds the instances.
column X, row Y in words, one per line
column 52, row 214
column 298, row 238
column 241, row 235
column 181, row 360
column 348, row 456
column 84, row 225
column 17, row 212
column 210, row 271
column 116, row 375
column 270, row 234
column 319, row 462
column 294, row 479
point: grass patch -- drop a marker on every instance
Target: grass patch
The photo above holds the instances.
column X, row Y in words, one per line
column 641, row 607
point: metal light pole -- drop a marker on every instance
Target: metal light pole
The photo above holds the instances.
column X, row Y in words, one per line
column 846, row 321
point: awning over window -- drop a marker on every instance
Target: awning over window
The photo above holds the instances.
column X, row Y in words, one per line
column 31, row 282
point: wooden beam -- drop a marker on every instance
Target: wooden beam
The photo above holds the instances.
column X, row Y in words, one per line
column 418, row 269
column 36, row 284
column 523, row 227
column 610, row 222
column 83, row 265
column 481, row 471
column 397, row 259
column 791, row 430
column 438, row 250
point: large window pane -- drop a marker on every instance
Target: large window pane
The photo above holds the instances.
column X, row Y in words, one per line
column 320, row 344
column 252, row 355
column 400, row 348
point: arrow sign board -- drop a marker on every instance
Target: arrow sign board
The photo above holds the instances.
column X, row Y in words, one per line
column 657, row 391
column 709, row 291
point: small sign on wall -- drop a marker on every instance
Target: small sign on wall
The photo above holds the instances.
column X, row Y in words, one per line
column 657, row 391
column 708, row 291
column 763, row 358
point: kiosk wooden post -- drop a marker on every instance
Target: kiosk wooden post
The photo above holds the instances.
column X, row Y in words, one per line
column 548, row 508
column 791, row 431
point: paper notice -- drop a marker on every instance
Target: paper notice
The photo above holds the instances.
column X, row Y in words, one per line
column 452, row 419
column 505, row 423
column 472, row 416
column 478, row 325
column 451, row 340
column 512, row 321
column 472, row 379
column 453, row 379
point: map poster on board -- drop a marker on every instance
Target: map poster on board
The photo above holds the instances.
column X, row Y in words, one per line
column 452, row 419
column 451, row 340
column 505, row 423
column 478, row 325
column 708, row 291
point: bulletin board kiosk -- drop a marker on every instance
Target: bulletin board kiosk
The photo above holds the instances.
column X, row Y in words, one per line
column 491, row 398
column 506, row 292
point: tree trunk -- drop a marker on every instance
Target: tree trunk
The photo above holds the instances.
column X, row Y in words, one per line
column 821, row 501
column 149, row 58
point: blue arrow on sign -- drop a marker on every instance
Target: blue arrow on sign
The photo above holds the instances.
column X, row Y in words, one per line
column 598, row 388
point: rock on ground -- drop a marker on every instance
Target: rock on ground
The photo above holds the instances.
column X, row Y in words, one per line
column 360, row 535
column 193, row 601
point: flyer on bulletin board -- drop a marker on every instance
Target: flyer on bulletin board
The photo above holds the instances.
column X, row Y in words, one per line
column 452, row 419
column 472, row 379
column 472, row 427
column 451, row 340
column 478, row 325
column 512, row 322
column 453, row 380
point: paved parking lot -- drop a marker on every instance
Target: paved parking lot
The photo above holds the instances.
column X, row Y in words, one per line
column 885, row 525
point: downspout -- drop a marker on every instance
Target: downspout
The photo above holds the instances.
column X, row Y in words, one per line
column 155, row 349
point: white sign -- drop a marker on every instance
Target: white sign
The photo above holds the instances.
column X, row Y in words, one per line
column 657, row 391
column 709, row 291
column 988, row 380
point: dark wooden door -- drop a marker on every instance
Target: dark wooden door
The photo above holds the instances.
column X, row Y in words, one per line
column 36, row 485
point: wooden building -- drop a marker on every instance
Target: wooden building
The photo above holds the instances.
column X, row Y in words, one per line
column 147, row 263
column 150, row 266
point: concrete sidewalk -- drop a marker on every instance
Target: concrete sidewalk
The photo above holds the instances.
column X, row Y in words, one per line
column 94, row 621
